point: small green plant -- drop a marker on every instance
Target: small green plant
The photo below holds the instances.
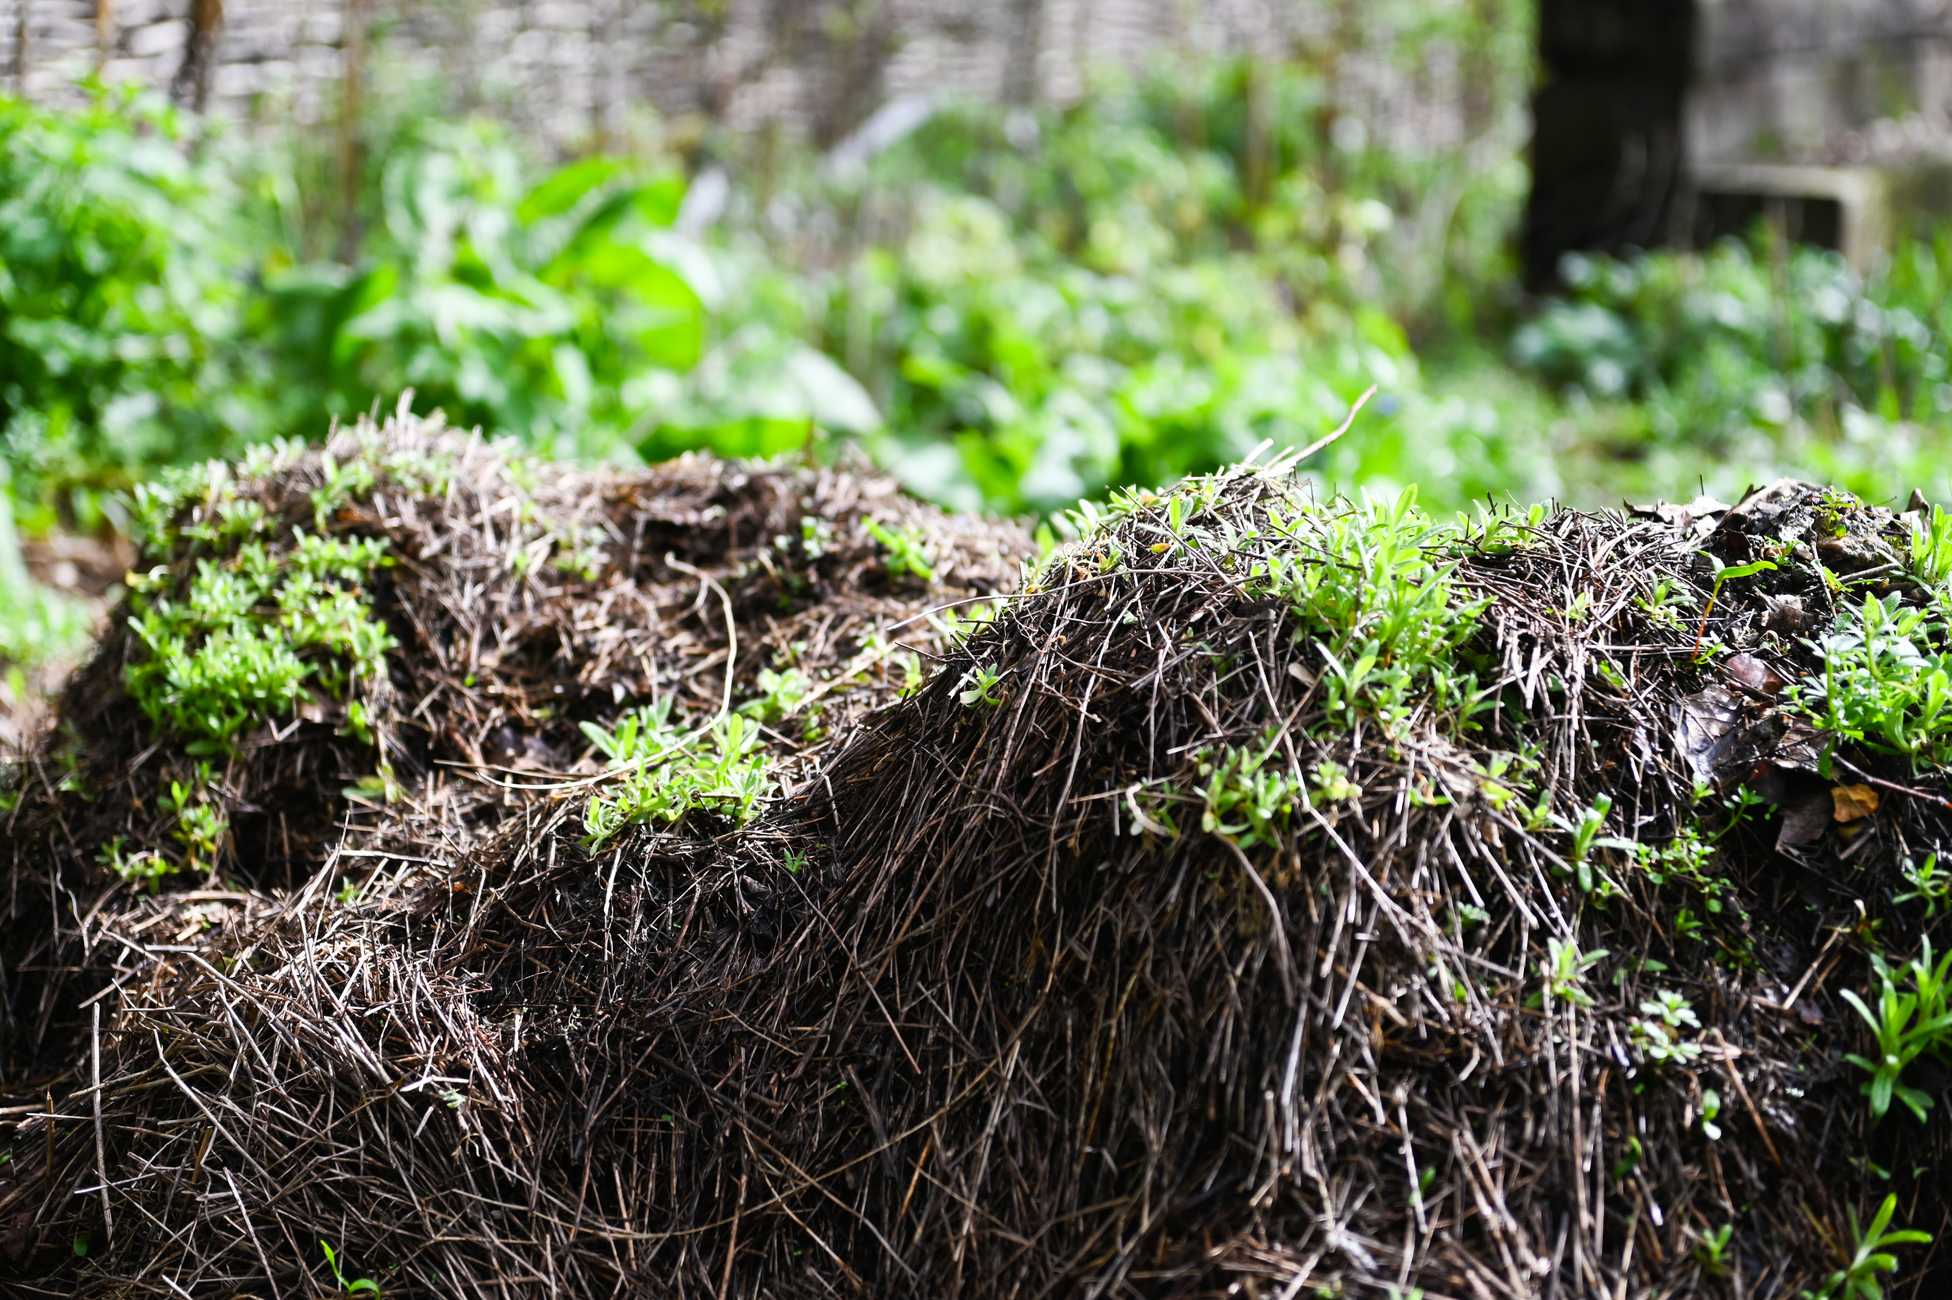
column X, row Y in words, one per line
column 1331, row 785
column 144, row 867
column 816, row 536
column 1711, row 1111
column 1711, row 1249
column 1887, row 680
column 1658, row 1033
column 1870, row 1256
column 1585, row 837
column 1908, row 1023
column 1629, row 1160
column 1725, row 574
column 347, row 1286
column 1250, row 798
column 200, row 824
column 1665, row 599
column 1671, row 1009
column 1566, row 968
column 579, row 554
column 781, row 693
column 912, row 676
column 664, row 774
column 1686, row 861
column 340, row 484
column 1931, row 547
column 981, row 689
column 906, row 550
column 243, row 639
column 1929, row 885
column 1373, row 596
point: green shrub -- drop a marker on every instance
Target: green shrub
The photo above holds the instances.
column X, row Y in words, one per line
column 123, row 274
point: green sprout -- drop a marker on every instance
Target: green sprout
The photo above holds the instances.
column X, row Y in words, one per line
column 1907, row 1024
column 353, row 1286
column 1870, row 1256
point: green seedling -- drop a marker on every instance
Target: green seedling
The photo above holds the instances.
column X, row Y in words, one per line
column 1711, row 1250
column 1585, row 834
column 665, row 775
column 981, row 689
column 1887, row 680
column 1331, row 785
column 1931, row 547
column 347, row 1286
column 1907, row 1023
column 1870, row 1257
column 781, row 693
column 1374, row 598
column 144, row 867
column 1711, row 1110
column 1725, row 574
column 1250, row 798
column 906, row 550
column 1565, row 975
column 1665, row 599
column 1929, row 885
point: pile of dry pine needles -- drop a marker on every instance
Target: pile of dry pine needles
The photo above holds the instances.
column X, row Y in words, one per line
column 1277, row 898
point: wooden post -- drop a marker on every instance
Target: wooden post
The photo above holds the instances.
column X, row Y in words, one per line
column 1608, row 154
column 1023, row 77
column 352, row 92
column 104, row 33
column 20, row 48
column 199, row 52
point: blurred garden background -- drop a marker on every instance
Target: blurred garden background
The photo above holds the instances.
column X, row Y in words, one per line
column 1015, row 254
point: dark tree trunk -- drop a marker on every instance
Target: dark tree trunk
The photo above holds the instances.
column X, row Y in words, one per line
column 192, row 84
column 1609, row 158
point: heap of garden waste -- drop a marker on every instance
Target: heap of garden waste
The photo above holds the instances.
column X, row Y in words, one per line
column 469, row 876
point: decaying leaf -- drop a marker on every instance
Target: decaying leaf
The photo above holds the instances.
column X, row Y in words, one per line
column 1853, row 802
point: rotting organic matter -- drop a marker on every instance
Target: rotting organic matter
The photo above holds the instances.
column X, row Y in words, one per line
column 1277, row 897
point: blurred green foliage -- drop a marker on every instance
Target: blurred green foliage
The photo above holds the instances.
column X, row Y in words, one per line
column 157, row 304
column 1009, row 309
column 1752, row 360
column 122, row 286
column 1148, row 284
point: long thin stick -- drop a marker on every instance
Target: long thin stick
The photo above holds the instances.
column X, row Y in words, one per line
column 1329, row 439
column 101, row 1147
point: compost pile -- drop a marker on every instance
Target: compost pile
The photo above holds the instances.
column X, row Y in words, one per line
column 1277, row 897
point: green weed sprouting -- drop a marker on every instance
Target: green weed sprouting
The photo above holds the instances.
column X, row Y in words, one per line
column 248, row 635
column 1907, row 1023
column 1250, row 798
column 1686, row 861
column 1565, row 976
column 665, row 774
column 1930, row 549
column 1870, row 1256
column 781, row 693
column 1331, row 784
column 1585, row 837
column 1887, row 679
column 1725, row 574
column 144, row 867
column 1711, row 1249
column 347, row 1286
column 1929, row 884
column 1658, row 1033
column 980, row 693
column 1372, row 592
column 906, row 549
column 1666, row 597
